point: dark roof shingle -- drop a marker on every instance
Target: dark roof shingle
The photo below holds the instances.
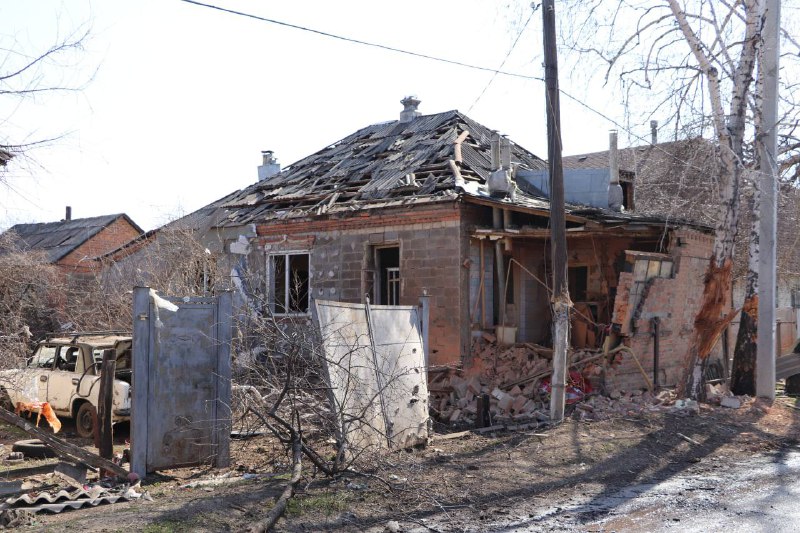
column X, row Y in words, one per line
column 57, row 239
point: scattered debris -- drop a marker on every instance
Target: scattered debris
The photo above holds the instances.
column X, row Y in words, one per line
column 733, row 402
column 688, row 439
column 14, row 518
column 515, row 379
column 64, row 449
column 33, row 449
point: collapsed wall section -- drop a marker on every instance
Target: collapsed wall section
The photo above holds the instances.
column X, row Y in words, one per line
column 662, row 288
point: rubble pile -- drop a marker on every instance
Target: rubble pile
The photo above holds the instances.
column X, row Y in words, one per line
column 514, row 381
column 515, row 378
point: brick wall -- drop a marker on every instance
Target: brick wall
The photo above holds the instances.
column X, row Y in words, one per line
column 106, row 240
column 431, row 242
column 676, row 301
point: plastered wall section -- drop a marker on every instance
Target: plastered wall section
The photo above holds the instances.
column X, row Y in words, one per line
column 676, row 302
column 432, row 247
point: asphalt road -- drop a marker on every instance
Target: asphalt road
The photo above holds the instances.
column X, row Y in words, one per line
column 761, row 494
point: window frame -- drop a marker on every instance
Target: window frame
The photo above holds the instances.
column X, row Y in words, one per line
column 382, row 275
column 271, row 292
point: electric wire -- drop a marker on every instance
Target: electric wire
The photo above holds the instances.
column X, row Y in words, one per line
column 575, row 99
column 359, row 41
column 513, row 46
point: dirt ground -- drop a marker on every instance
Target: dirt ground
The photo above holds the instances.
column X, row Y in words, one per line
column 466, row 483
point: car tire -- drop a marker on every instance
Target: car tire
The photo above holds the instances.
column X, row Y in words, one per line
column 85, row 420
column 33, row 448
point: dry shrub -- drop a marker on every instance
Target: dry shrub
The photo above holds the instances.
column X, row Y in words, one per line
column 31, row 293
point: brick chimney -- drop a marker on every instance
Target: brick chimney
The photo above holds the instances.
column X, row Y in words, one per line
column 615, row 197
column 409, row 112
column 269, row 165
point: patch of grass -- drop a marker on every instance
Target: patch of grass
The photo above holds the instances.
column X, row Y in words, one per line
column 328, row 504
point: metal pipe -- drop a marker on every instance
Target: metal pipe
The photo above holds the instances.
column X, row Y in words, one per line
column 656, row 334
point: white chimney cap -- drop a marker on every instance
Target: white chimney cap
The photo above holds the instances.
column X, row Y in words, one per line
column 410, row 105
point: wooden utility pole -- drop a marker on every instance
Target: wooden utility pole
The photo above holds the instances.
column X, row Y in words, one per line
column 558, row 229
column 767, row 152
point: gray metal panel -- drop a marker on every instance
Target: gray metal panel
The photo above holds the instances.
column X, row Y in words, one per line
column 351, row 372
column 401, row 369
column 376, row 371
column 222, row 415
column 140, row 366
column 581, row 186
column 181, row 387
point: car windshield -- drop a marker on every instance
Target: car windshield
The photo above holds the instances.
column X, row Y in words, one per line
column 44, row 357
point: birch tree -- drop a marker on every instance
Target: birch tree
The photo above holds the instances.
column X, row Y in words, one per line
column 690, row 64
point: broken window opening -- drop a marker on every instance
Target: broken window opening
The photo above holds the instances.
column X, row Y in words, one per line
column 289, row 283
column 387, row 260
column 503, row 292
column 578, row 283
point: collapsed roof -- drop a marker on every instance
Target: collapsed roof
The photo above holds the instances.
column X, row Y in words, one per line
column 392, row 164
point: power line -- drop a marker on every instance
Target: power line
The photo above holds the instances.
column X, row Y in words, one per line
column 621, row 127
column 365, row 43
column 514, row 45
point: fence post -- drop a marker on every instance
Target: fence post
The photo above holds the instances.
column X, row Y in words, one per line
column 105, row 404
column 424, row 323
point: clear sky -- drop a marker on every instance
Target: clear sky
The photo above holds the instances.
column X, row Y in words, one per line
column 178, row 100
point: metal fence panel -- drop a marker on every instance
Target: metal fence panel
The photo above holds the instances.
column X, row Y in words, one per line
column 375, row 361
column 181, row 381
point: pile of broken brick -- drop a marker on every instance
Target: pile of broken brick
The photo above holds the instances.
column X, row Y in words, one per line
column 511, row 381
column 509, row 386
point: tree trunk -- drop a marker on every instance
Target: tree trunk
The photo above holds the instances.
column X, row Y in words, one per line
column 743, row 372
column 729, row 129
column 708, row 324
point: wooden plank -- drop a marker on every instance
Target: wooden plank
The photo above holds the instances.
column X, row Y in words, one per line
column 64, row 449
column 105, row 404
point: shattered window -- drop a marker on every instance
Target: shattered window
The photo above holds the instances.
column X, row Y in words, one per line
column 289, row 283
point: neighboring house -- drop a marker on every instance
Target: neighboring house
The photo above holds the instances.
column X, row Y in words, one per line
column 74, row 244
column 442, row 206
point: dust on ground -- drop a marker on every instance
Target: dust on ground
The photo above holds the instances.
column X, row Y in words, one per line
column 460, row 484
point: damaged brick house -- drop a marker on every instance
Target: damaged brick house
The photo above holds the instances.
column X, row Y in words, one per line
column 443, row 206
column 676, row 179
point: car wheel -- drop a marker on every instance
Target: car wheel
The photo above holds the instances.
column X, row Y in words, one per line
column 85, row 420
column 33, row 448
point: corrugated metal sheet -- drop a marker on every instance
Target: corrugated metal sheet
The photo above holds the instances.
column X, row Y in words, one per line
column 64, row 499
